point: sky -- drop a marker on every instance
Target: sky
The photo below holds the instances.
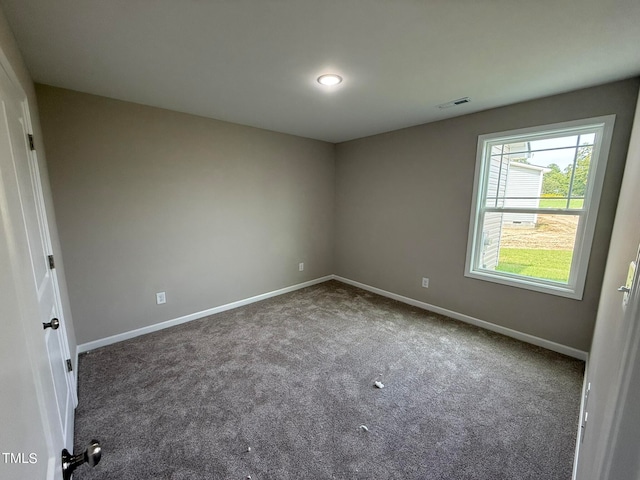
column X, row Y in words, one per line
column 563, row 157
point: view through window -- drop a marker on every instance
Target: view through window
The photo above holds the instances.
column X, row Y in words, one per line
column 536, row 196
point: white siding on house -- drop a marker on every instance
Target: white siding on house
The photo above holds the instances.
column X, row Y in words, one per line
column 492, row 226
column 523, row 181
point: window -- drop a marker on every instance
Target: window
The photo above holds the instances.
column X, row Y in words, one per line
column 536, row 195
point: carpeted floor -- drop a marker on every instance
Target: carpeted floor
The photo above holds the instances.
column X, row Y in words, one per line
column 280, row 389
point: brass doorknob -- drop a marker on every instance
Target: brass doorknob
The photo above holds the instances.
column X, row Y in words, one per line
column 53, row 324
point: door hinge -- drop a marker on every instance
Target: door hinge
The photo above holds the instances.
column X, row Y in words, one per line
column 52, row 264
column 31, row 145
column 69, row 366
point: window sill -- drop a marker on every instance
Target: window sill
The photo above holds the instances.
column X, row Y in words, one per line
column 549, row 288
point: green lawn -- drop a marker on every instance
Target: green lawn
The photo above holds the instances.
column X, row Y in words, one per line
column 538, row 263
column 560, row 203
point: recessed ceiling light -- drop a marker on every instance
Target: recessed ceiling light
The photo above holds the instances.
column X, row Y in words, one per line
column 329, row 79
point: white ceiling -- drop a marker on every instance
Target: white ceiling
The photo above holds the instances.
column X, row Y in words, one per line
column 255, row 62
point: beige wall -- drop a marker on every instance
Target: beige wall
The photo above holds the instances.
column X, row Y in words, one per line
column 151, row 200
column 210, row 212
column 403, row 201
column 612, row 330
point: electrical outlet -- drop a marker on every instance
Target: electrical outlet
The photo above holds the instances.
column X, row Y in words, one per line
column 425, row 282
column 301, row 266
column 161, row 297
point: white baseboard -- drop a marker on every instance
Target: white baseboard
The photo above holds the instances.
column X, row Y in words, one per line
column 525, row 337
column 85, row 347
column 541, row 342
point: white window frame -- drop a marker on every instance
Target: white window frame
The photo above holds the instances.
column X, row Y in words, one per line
column 574, row 288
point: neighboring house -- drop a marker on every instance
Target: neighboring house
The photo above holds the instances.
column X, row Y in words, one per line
column 510, row 177
column 523, row 180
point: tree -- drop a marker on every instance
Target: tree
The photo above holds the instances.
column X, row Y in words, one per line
column 555, row 182
column 583, row 162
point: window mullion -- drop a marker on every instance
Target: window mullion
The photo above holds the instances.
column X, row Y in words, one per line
column 499, row 175
column 538, row 211
column 573, row 171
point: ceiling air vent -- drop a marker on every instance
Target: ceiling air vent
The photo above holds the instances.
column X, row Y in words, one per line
column 455, row 103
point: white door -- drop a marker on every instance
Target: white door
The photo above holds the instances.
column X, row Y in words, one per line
column 18, row 156
column 622, row 449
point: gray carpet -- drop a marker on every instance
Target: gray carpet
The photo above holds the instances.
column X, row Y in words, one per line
column 293, row 377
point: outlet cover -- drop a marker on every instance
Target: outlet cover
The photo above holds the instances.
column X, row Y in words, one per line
column 425, row 282
column 161, row 297
column 301, row 266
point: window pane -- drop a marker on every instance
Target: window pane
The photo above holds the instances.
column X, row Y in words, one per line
column 497, row 180
column 530, row 245
column 497, row 149
column 490, row 241
column 587, row 139
column 524, row 185
column 515, row 157
column 561, row 202
column 552, row 143
column 555, row 178
column 581, row 175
